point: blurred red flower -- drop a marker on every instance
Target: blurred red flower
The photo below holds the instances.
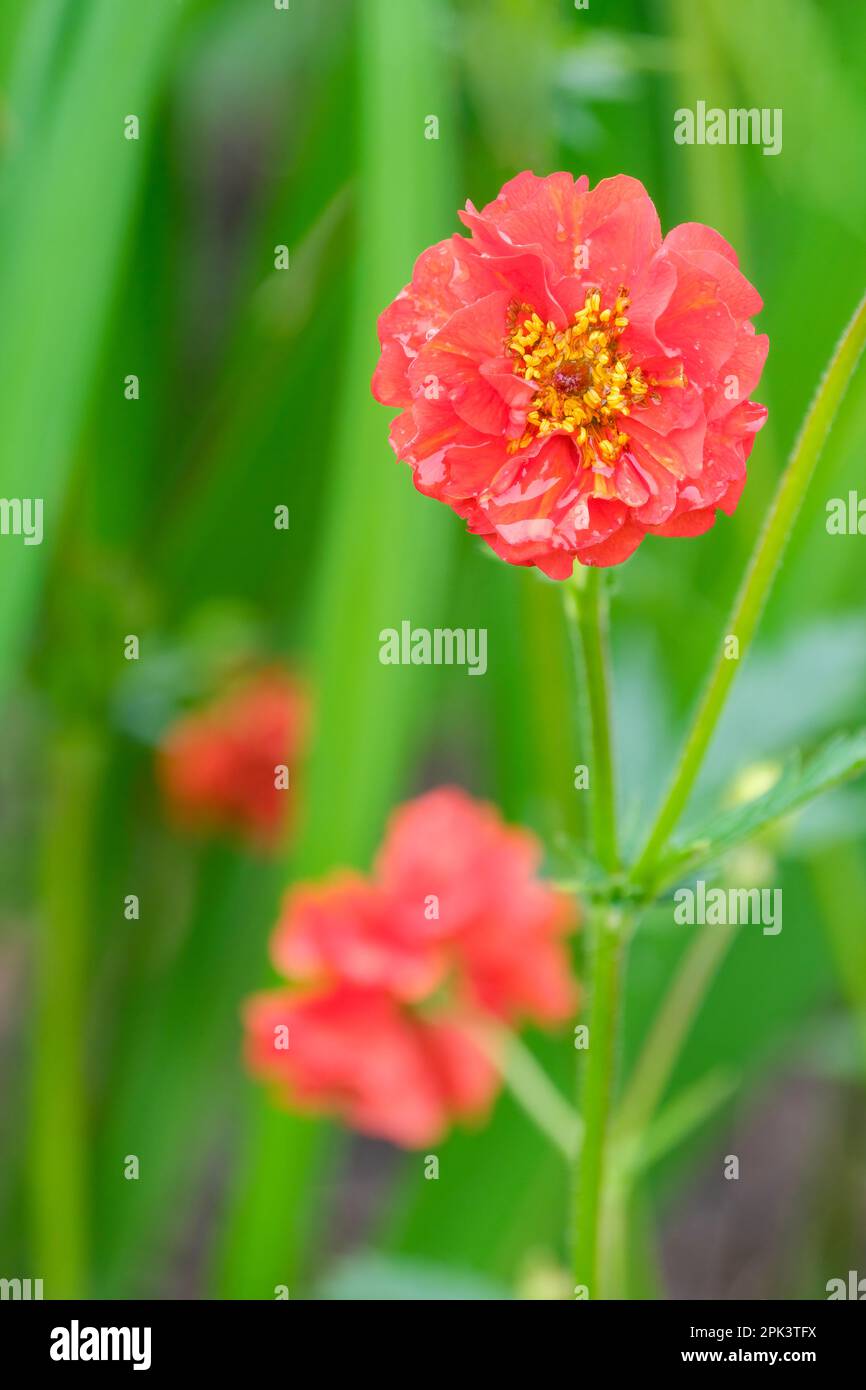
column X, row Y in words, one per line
column 219, row 767
column 356, row 1051
column 453, row 931
column 570, row 382
column 500, row 925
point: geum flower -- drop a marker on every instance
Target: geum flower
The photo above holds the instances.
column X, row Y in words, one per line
column 397, row 975
column 568, row 381
column 219, row 766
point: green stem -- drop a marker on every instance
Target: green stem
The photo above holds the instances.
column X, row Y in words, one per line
column 587, row 607
column 531, row 1087
column 759, row 577
column 670, row 1029
column 58, row 1144
column 607, row 931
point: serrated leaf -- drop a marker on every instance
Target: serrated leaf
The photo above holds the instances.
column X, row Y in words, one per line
column 801, row 781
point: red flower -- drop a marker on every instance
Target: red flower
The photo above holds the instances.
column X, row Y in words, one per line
column 356, row 1051
column 570, row 382
column 454, row 929
column 502, row 925
column 218, row 767
column 346, row 928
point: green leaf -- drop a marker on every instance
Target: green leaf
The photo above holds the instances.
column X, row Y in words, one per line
column 802, row 780
column 69, row 187
column 384, row 553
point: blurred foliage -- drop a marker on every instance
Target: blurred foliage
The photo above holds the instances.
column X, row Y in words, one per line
column 156, row 257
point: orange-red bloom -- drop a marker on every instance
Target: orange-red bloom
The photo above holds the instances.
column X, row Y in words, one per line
column 569, row 381
column 219, row 767
column 399, row 971
column 356, row 1052
column 450, row 855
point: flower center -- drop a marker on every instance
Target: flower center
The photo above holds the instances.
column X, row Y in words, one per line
column 584, row 381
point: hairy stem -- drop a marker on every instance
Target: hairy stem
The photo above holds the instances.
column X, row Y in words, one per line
column 607, row 930
column 756, row 586
column 587, row 608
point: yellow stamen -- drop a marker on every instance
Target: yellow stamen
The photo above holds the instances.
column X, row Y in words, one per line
column 585, row 382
